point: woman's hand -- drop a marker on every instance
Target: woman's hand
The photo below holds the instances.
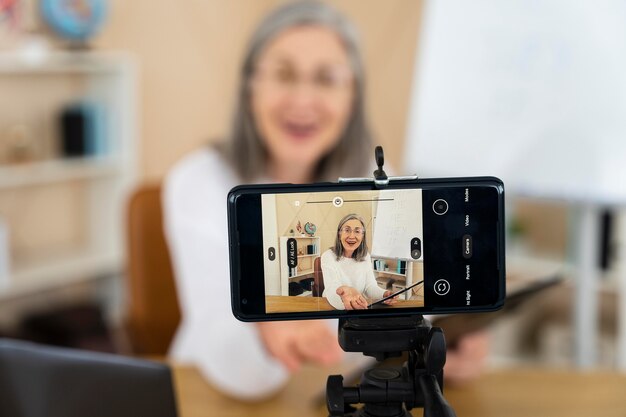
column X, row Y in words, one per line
column 352, row 299
column 467, row 361
column 390, row 301
column 294, row 343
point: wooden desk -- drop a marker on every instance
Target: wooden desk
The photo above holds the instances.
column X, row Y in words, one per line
column 283, row 304
column 505, row 393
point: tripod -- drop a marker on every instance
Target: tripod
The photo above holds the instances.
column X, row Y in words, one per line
column 392, row 392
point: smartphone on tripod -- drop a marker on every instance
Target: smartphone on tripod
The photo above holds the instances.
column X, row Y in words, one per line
column 418, row 246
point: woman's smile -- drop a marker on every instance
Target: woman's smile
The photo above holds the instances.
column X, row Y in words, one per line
column 298, row 130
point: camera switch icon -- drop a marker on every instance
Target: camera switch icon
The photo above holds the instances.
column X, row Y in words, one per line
column 441, row 287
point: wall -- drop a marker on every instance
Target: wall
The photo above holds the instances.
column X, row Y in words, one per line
column 324, row 215
column 190, row 53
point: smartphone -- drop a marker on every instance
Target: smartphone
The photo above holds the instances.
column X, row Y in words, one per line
column 324, row 250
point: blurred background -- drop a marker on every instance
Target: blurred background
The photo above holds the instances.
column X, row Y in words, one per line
column 98, row 98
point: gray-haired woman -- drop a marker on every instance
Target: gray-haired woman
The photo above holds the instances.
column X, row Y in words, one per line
column 300, row 118
column 347, row 268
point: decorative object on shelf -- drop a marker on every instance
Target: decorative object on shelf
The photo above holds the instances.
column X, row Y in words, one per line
column 310, row 228
column 299, row 228
column 77, row 20
column 18, row 144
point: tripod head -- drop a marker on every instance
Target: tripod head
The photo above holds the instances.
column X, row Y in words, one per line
column 387, row 392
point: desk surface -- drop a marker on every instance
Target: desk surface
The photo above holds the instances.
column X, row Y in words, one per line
column 504, row 393
column 283, row 303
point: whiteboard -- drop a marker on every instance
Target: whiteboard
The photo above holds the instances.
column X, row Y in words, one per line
column 533, row 92
column 397, row 220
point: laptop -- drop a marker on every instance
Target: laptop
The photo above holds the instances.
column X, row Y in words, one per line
column 44, row 381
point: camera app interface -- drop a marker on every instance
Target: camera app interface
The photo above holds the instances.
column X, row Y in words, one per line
column 461, row 257
column 350, row 250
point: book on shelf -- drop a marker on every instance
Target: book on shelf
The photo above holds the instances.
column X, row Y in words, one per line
column 311, row 249
column 82, row 129
column 401, row 267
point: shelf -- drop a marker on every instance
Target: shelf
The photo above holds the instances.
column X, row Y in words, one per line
column 387, row 278
column 390, row 273
column 61, row 62
column 58, row 170
column 67, row 269
column 306, row 256
column 301, row 274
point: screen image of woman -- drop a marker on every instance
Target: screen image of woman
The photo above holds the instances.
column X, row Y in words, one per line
column 347, row 267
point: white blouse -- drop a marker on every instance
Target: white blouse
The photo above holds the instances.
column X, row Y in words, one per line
column 228, row 352
column 348, row 272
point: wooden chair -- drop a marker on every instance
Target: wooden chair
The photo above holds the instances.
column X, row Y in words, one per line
column 153, row 310
column 318, row 278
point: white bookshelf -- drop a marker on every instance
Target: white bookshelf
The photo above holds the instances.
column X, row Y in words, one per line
column 305, row 261
column 102, row 182
column 402, row 279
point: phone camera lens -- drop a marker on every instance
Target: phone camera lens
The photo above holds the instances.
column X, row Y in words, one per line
column 244, row 301
column 440, row 207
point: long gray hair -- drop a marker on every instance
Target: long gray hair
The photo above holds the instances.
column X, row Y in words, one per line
column 361, row 252
column 245, row 149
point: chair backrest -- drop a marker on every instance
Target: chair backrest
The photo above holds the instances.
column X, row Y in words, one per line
column 153, row 310
column 318, row 278
column 44, row 381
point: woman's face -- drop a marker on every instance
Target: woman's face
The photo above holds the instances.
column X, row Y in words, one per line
column 302, row 95
column 351, row 235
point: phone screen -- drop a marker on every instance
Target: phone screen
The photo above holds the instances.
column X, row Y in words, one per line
column 434, row 248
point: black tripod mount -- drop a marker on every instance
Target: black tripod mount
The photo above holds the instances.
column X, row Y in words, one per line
column 393, row 391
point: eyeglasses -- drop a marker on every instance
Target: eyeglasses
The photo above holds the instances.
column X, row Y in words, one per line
column 346, row 230
column 325, row 83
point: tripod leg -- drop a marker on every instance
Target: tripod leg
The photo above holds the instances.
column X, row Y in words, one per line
column 435, row 405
